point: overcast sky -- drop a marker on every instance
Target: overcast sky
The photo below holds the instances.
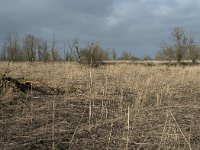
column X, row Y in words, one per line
column 138, row 26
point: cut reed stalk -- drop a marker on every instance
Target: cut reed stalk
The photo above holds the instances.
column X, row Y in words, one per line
column 180, row 130
column 110, row 134
column 128, row 127
column 53, row 124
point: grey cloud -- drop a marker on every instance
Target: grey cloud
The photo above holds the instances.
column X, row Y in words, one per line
column 134, row 25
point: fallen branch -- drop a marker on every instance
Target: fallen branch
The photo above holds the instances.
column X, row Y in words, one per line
column 24, row 86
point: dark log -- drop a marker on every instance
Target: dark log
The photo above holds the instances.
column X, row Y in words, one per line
column 25, row 86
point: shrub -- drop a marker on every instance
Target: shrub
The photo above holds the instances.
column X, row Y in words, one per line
column 93, row 55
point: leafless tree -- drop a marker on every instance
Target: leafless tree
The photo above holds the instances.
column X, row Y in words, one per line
column 75, row 49
column 193, row 53
column 39, row 49
column 30, row 45
column 104, row 54
column 12, row 46
column 166, row 53
column 181, row 42
column 93, row 54
column 54, row 51
column 113, row 54
column 45, row 52
column 178, row 50
column 3, row 56
column 42, row 51
column 125, row 55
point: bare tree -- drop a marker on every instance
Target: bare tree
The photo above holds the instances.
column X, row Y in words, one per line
column 42, row 51
column 3, row 54
column 113, row 54
column 125, row 55
column 193, row 53
column 67, row 54
column 39, row 49
column 12, row 46
column 45, row 52
column 178, row 50
column 104, row 54
column 93, row 54
column 75, row 49
column 54, row 51
column 181, row 42
column 166, row 53
column 30, row 45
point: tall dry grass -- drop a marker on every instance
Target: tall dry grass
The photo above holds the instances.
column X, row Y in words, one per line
column 140, row 94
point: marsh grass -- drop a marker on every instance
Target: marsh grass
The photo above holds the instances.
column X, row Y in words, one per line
column 119, row 106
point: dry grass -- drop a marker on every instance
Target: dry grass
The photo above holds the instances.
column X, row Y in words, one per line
column 123, row 106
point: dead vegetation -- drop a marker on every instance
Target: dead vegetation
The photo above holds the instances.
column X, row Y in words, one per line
column 122, row 106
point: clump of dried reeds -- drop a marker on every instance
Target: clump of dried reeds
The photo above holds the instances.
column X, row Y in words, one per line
column 126, row 103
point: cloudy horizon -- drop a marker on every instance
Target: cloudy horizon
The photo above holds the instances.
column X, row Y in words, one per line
column 137, row 26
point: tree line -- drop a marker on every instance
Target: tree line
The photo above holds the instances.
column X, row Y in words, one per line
column 32, row 48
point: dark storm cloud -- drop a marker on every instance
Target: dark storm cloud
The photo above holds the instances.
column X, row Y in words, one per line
column 134, row 25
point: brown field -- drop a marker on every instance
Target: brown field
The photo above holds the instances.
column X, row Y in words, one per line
column 116, row 106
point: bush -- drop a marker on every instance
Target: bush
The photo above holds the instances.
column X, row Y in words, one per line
column 93, row 55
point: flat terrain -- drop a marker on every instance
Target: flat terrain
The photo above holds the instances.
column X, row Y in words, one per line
column 116, row 106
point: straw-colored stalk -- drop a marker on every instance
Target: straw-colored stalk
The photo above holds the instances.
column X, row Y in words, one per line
column 128, row 127
column 53, row 123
